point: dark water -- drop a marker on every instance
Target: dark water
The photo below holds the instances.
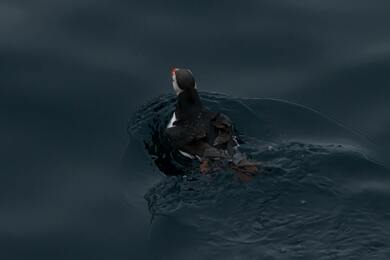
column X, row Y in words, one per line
column 322, row 196
column 73, row 73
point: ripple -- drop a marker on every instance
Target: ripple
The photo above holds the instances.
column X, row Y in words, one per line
column 321, row 197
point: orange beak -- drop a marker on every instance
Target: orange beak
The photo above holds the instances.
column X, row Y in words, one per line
column 173, row 71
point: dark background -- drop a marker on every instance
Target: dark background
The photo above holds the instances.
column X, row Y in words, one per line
column 73, row 72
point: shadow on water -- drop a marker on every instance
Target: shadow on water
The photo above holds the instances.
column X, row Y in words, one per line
column 323, row 197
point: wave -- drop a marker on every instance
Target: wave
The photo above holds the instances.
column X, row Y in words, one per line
column 320, row 195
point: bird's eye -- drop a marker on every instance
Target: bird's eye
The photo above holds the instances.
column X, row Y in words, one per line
column 173, row 71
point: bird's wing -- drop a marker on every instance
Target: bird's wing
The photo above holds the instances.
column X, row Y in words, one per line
column 224, row 129
column 179, row 136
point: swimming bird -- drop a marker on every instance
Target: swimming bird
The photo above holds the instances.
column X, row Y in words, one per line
column 201, row 134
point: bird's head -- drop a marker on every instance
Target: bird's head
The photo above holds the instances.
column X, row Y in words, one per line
column 182, row 80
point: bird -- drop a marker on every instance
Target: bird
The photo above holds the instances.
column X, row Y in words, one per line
column 201, row 134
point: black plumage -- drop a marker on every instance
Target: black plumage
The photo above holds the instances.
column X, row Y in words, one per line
column 197, row 130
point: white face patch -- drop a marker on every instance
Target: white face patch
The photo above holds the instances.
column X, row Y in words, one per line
column 175, row 85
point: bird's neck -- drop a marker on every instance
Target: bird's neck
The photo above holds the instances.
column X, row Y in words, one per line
column 188, row 104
